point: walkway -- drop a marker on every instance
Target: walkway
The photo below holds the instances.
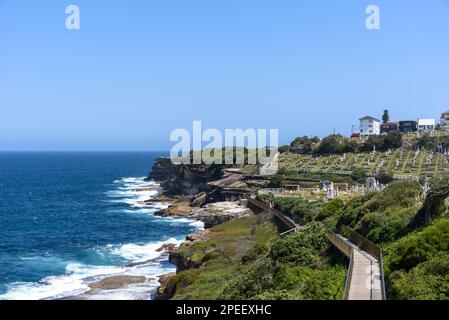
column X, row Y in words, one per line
column 364, row 280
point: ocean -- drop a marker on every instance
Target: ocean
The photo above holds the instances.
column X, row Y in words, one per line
column 69, row 219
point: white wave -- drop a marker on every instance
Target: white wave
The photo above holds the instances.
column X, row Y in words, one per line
column 54, row 287
column 183, row 221
column 132, row 180
column 141, row 252
column 133, row 191
column 143, row 259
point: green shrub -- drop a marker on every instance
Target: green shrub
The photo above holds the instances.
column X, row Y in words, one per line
column 333, row 207
column 254, row 253
column 302, row 248
column 421, row 246
column 428, row 281
column 253, row 282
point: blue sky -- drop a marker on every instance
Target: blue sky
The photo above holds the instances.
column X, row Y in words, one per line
column 139, row 69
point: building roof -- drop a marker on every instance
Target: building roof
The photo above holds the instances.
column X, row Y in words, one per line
column 445, row 112
column 390, row 123
column 426, row 122
column 369, row 118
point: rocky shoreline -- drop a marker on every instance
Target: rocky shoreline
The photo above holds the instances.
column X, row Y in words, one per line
column 210, row 194
column 211, row 214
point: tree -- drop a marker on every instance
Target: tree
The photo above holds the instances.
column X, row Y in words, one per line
column 284, row 149
column 336, row 144
column 386, row 116
column 377, row 141
column 384, row 177
column 393, row 140
column 359, row 175
column 306, row 143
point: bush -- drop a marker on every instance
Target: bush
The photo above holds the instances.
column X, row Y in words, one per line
column 421, row 246
column 386, row 226
column 359, row 175
column 337, row 144
column 392, row 140
column 254, row 253
column 384, row 177
column 307, row 144
column 427, row 281
column 331, row 208
column 298, row 208
column 302, row 248
column 384, row 216
column 253, row 282
column 295, row 268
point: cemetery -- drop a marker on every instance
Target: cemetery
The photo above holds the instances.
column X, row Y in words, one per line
column 402, row 164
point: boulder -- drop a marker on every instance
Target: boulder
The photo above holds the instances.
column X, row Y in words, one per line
column 166, row 289
column 216, row 213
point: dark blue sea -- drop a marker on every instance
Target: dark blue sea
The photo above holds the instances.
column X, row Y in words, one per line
column 70, row 219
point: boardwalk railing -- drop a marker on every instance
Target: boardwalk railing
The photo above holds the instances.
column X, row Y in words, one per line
column 286, row 220
column 343, row 245
column 354, row 242
column 349, row 276
column 370, row 248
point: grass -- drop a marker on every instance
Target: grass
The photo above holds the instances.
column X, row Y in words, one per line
column 221, row 256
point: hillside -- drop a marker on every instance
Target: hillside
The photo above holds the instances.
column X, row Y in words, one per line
column 245, row 259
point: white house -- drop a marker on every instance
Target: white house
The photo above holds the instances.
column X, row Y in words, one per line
column 445, row 121
column 369, row 126
column 426, row 125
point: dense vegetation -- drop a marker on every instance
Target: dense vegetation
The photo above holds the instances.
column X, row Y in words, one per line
column 416, row 254
column 385, row 216
column 230, row 250
column 300, row 266
column 418, row 264
column 245, row 259
column 338, row 144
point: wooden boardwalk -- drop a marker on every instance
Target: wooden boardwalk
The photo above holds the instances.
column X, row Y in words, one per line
column 364, row 279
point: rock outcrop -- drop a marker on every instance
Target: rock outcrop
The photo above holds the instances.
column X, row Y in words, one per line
column 177, row 179
column 183, row 261
column 114, row 282
column 216, row 213
column 179, row 206
column 166, row 289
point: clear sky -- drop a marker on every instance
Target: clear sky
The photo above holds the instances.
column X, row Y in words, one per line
column 136, row 70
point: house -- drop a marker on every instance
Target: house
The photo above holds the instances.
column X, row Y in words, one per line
column 445, row 121
column 389, row 126
column 408, row 126
column 369, row 126
column 426, row 125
